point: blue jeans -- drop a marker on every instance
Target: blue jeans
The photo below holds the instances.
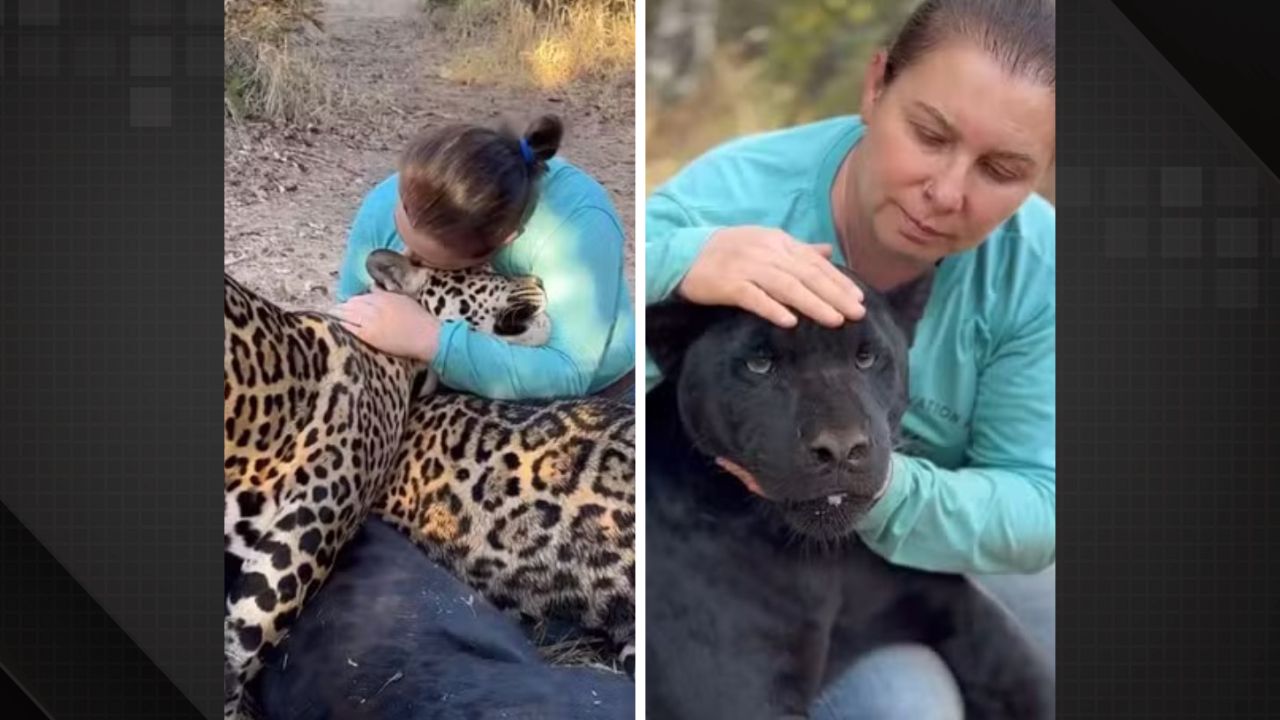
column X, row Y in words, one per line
column 911, row 681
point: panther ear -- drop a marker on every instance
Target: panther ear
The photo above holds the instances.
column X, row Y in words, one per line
column 390, row 270
column 908, row 301
column 672, row 325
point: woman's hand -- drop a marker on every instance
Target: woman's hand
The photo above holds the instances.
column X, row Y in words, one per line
column 392, row 323
column 768, row 272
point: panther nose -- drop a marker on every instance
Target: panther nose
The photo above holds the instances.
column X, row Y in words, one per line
column 836, row 447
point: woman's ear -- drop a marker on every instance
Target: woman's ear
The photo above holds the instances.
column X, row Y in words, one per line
column 873, row 83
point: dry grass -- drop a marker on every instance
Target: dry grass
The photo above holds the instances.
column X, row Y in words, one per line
column 568, row 41
column 266, row 71
column 574, row 651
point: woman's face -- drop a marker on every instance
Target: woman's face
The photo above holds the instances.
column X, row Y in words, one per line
column 426, row 250
column 951, row 149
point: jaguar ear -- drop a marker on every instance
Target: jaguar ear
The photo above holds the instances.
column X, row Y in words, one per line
column 908, row 301
column 391, row 271
column 672, row 325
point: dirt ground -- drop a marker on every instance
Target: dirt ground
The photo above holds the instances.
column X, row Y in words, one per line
column 291, row 192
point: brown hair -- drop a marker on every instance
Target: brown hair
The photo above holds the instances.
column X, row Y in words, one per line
column 1019, row 34
column 470, row 186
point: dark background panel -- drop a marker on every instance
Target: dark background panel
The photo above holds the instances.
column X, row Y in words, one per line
column 64, row 650
column 16, row 702
column 1167, row 277
column 110, row 229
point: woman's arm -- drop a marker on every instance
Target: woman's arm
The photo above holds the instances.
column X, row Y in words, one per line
column 672, row 240
column 580, row 266
column 999, row 513
column 369, row 230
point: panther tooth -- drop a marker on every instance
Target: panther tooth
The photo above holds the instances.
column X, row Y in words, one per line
column 835, row 500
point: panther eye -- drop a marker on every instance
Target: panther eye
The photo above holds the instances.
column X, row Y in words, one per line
column 864, row 359
column 760, row 365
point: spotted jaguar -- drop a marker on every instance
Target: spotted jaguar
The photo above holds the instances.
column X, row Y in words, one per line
column 530, row 503
column 313, row 420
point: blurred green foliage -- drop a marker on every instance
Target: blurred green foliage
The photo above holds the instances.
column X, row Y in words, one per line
column 821, row 47
column 774, row 64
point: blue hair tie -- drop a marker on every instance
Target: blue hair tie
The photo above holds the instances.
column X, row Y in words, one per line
column 526, row 151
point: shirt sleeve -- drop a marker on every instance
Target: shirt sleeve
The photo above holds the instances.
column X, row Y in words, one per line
column 998, row 514
column 581, row 267
column 673, row 239
column 362, row 239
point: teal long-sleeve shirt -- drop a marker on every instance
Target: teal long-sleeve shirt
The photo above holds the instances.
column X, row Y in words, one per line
column 977, row 493
column 574, row 243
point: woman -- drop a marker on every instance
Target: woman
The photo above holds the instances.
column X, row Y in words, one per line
column 466, row 195
column 956, row 131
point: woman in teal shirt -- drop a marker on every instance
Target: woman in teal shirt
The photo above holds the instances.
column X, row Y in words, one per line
column 956, row 131
column 465, row 195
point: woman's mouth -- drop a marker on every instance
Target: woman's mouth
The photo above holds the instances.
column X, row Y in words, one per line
column 919, row 232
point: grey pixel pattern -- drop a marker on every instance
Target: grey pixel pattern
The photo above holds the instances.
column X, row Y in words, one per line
column 153, row 12
column 39, row 13
column 204, row 56
column 150, row 56
column 1075, row 185
column 1125, row 186
column 1125, row 237
column 1181, row 289
column 1181, row 187
column 150, row 107
column 38, row 56
column 1181, row 237
column 1237, row 186
column 203, row 12
column 95, row 56
column 1237, row 237
column 1237, row 288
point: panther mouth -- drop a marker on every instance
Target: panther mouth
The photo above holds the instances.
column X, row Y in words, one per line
column 823, row 516
column 831, row 516
column 819, row 504
column 822, row 519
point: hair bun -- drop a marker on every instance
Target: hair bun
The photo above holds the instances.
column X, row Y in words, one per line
column 543, row 136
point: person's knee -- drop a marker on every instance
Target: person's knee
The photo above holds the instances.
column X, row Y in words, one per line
column 1032, row 599
column 892, row 683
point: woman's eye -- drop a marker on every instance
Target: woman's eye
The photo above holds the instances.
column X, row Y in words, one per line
column 928, row 137
column 864, row 359
column 760, row 365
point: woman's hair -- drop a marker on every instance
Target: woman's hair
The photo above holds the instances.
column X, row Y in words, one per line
column 470, row 186
column 1019, row 34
